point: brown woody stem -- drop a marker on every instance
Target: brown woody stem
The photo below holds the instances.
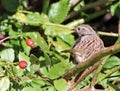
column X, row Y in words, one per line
column 80, row 67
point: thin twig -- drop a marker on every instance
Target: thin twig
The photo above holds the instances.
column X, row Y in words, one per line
column 108, row 34
column 9, row 37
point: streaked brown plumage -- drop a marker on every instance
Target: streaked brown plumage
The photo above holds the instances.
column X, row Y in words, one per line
column 86, row 45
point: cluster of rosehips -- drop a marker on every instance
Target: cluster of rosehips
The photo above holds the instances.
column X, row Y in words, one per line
column 23, row 64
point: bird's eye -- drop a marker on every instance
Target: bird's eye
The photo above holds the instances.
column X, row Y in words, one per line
column 78, row 28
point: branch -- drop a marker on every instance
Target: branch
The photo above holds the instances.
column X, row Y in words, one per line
column 108, row 34
column 10, row 37
column 80, row 67
column 84, row 74
column 88, row 6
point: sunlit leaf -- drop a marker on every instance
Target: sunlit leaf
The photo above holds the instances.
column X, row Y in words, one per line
column 68, row 38
column 60, row 85
column 112, row 61
column 35, row 86
column 57, row 29
column 20, row 17
column 58, row 69
column 55, row 14
column 4, row 84
column 8, row 54
column 114, row 7
column 61, row 45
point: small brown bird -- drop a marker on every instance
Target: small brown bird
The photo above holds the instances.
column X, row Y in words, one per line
column 86, row 45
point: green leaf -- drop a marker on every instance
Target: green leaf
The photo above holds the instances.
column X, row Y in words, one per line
column 114, row 7
column 33, row 18
column 58, row 11
column 58, row 69
column 36, row 19
column 68, row 38
column 34, row 86
column 118, row 11
column 61, row 45
column 47, row 59
column 4, row 84
column 39, row 40
column 45, row 6
column 113, row 87
column 35, row 63
column 11, row 31
column 8, row 54
column 44, row 71
column 56, row 29
column 20, row 17
column 60, row 85
column 30, row 18
column 22, row 56
column 112, row 61
column 10, row 5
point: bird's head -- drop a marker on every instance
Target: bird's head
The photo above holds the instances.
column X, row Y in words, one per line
column 84, row 30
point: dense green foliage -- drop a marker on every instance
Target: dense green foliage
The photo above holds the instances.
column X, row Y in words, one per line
column 49, row 26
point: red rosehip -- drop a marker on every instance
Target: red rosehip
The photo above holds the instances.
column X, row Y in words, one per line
column 30, row 42
column 22, row 64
